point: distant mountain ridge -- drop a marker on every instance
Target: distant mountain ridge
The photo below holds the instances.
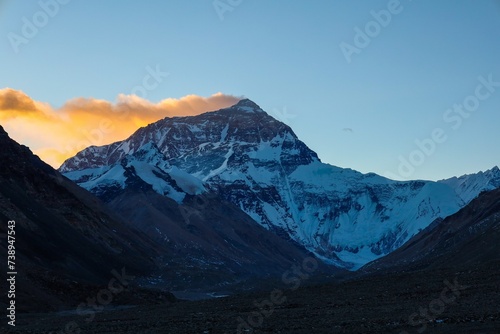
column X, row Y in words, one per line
column 466, row 239
column 469, row 186
column 257, row 163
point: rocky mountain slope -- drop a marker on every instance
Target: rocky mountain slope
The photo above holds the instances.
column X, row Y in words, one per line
column 66, row 240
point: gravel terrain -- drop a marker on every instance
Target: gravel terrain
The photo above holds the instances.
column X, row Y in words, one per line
column 396, row 303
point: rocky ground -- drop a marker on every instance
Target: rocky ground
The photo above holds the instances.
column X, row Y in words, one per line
column 441, row 301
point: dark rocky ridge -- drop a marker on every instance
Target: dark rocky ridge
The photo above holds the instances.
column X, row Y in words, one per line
column 65, row 237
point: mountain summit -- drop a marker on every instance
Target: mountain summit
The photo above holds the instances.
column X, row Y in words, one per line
column 254, row 161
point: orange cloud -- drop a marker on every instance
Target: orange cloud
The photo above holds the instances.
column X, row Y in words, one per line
column 57, row 134
column 15, row 103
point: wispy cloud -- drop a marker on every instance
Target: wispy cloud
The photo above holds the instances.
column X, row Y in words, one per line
column 57, row 134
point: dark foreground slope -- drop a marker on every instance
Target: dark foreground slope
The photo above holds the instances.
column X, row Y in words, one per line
column 66, row 242
column 213, row 245
column 453, row 288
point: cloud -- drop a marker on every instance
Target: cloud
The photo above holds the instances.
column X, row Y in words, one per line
column 12, row 101
column 57, row 134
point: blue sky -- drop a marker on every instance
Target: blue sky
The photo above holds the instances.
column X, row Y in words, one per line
column 365, row 114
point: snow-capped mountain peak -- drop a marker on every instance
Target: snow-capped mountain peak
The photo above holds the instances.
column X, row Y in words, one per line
column 248, row 105
column 251, row 159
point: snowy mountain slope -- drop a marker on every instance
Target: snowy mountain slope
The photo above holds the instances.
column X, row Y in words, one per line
column 466, row 239
column 148, row 165
column 258, row 163
column 469, row 186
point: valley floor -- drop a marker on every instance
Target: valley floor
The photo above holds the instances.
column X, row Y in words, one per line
column 383, row 304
